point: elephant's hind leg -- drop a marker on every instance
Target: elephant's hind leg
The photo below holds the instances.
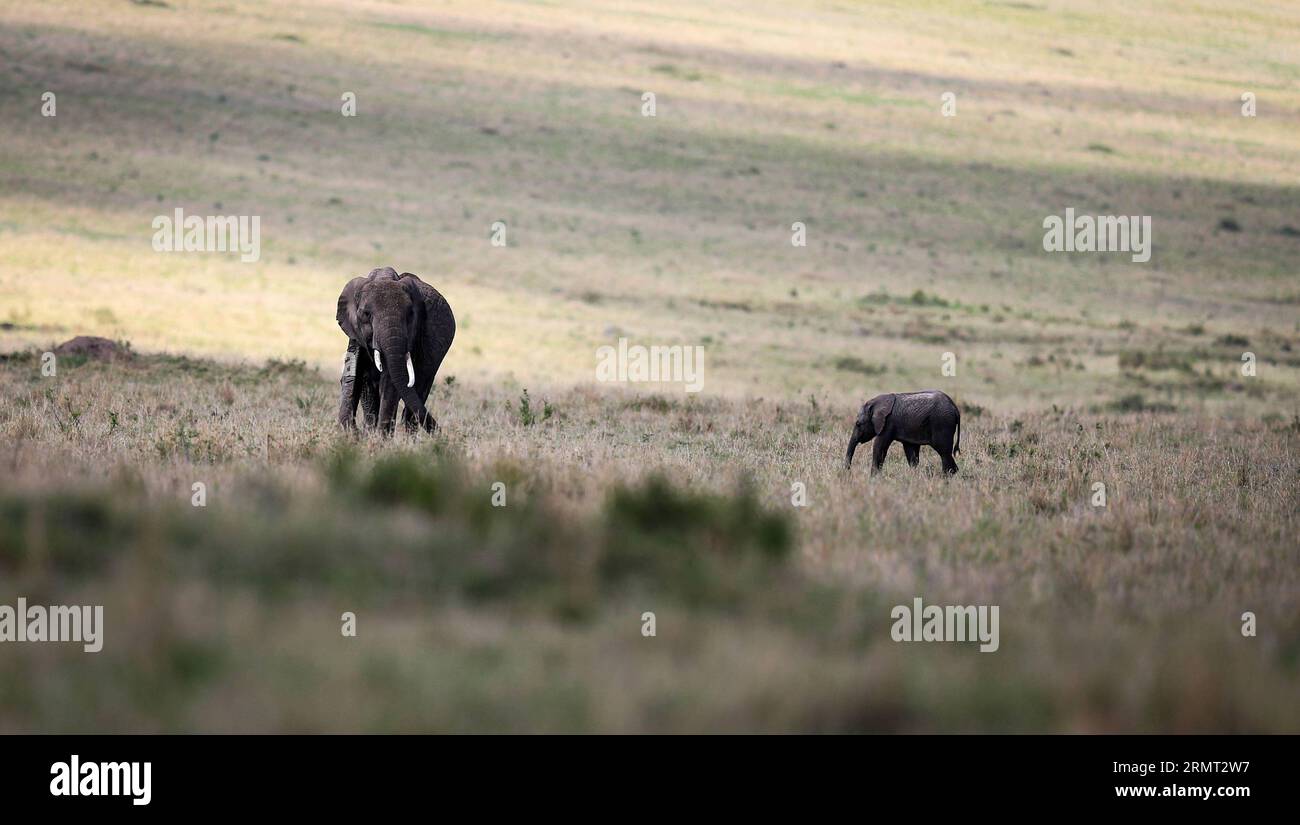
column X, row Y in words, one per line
column 949, row 466
column 943, row 444
column 913, row 453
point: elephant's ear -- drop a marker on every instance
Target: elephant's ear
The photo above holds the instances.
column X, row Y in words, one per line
column 347, row 311
column 415, row 289
column 880, row 410
column 438, row 323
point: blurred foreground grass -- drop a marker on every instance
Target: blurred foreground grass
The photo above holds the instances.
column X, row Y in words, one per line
column 528, row 617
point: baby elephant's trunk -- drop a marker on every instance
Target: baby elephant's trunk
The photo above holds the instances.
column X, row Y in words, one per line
column 853, row 446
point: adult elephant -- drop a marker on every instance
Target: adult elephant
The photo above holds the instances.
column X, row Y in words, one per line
column 399, row 329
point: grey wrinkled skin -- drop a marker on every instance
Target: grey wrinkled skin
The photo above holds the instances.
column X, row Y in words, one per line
column 914, row 418
column 360, row 383
column 396, row 314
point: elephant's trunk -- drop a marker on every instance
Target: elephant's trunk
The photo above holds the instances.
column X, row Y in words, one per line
column 853, row 446
column 410, row 368
column 396, row 351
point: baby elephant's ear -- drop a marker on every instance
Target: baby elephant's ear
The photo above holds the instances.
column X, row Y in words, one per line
column 881, row 408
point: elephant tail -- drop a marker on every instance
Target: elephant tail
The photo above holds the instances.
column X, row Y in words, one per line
column 957, row 447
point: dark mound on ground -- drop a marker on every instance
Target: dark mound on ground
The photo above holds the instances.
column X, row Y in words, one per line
column 94, row 348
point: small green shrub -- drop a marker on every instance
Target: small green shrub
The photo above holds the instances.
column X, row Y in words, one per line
column 1154, row 360
column 850, row 363
column 527, row 416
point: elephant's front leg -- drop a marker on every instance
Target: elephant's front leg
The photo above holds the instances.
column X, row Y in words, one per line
column 913, row 453
column 413, row 425
column 423, row 385
column 878, row 452
column 350, row 389
column 369, row 400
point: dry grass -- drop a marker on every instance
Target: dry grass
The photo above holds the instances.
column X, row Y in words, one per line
column 1119, row 618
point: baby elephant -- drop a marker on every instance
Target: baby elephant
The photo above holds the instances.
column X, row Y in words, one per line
column 914, row 418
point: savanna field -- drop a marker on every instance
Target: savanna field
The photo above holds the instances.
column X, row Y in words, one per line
column 924, row 237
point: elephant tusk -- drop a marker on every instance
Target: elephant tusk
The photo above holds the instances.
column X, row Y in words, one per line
column 378, row 365
column 410, row 371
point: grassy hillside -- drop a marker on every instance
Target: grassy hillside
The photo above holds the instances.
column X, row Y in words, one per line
column 675, row 227
column 924, row 238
